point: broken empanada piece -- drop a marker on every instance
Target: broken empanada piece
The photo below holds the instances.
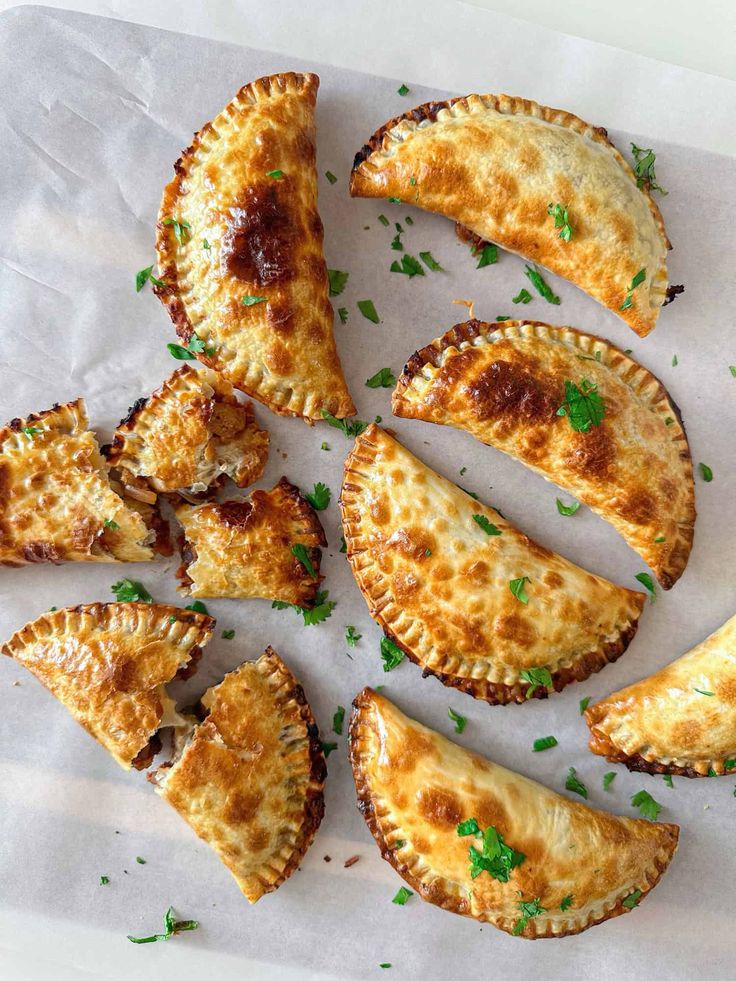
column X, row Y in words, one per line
column 189, row 435
column 108, row 663
column 681, row 720
column 505, row 384
column 56, row 501
column 249, row 780
column 499, row 165
column 558, row 867
column 239, row 245
column 266, row 545
column 466, row 595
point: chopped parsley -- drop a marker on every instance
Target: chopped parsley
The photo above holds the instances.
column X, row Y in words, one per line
column 131, row 591
column 206, row 245
column 574, row 785
column 540, row 285
column 368, row 310
column 195, row 346
column 320, row 497
column 325, row 446
column 546, row 742
column 459, row 720
column 403, row 89
column 396, row 243
column 608, row 779
column 330, row 177
column 568, row 509
column 104, row 880
column 318, row 613
column 181, row 229
column 528, row 911
column 30, row 432
column 496, row 857
column 517, row 588
column 633, row 900
column 705, row 472
column 536, row 678
column 669, row 421
column 644, row 168
column 227, row 634
column 198, row 607
column 171, row 927
column 488, row 255
column 348, row 427
column 648, row 583
column 566, row 902
column 384, row 220
column 112, row 525
column 675, row 362
column 343, row 545
column 383, row 378
column 667, row 777
column 351, row 636
column 409, row 266
column 583, row 406
column 385, row 965
column 430, row 262
column 337, row 281
column 523, row 296
column 391, row 655
column 488, row 527
column 648, row 806
column 659, row 539
column 394, row 200
column 327, row 748
column 300, row 553
column 598, row 356
column 337, row 720
column 503, row 317
column 342, row 313
column 275, row 174
column 402, row 896
column 469, row 493
column 732, row 369
column 700, row 691
column 250, row 301
column 584, row 703
column 142, row 277
column 562, row 220
column 139, row 860
column 636, row 281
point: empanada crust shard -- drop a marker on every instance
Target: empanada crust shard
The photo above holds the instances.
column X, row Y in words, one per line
column 243, row 548
column 243, row 268
column 189, row 435
column 56, row 502
column 250, row 779
column 681, row 720
column 495, row 164
column 107, row 663
column 415, row 786
column 504, row 384
column 439, row 585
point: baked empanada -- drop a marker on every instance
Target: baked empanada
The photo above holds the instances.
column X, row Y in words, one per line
column 189, row 435
column 266, row 545
column 239, row 245
column 548, row 866
column 681, row 720
column 499, row 165
column 505, row 385
column 108, row 663
column 249, row 780
column 466, row 595
column 56, row 502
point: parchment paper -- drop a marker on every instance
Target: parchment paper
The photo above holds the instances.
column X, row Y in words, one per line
column 94, row 113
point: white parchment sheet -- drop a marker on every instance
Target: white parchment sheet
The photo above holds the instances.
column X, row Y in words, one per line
column 93, row 114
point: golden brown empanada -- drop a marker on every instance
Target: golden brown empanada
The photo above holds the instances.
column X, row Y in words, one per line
column 681, row 720
column 189, row 435
column 107, row 663
column 466, row 595
column 505, row 385
column 578, row 866
column 56, row 502
column 249, row 780
column 239, row 246
column 248, row 547
column 496, row 164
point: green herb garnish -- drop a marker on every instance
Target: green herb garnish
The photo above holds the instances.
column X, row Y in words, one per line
column 337, row 281
column 561, row 220
column 327, row 748
column 648, row 806
column 198, row 607
column 430, row 262
column 131, row 591
column 710, row 694
column 568, row 509
column 488, row 255
column 648, row 583
column 227, row 634
column 396, row 243
column 275, row 174
column 644, row 168
column 351, row 636
column 608, row 779
column 403, row 89
column 667, row 777
column 368, row 310
column 139, row 860
column 30, row 432
column 573, row 784
column 189, row 353
column 496, row 857
column 540, row 285
column 409, row 266
column 318, row 613
column 536, row 678
column 171, row 927
column 250, row 301
column 112, row 525
column 528, row 911
column 104, row 880
column 337, row 720
column 402, row 896
column 342, row 313
column 583, row 406
column 546, row 742
column 181, row 229
column 391, row 655
column 584, row 703
column 523, row 296
column 330, row 177
column 383, row 220
column 633, row 900
column 459, row 720
column 636, row 281
column 206, row 245
column 320, row 497
column 488, row 527
column 383, row 378
column 350, row 428
column 705, row 472
column 301, row 554
column 517, row 588
column 566, row 902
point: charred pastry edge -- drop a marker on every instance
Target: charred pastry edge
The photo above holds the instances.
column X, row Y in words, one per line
column 645, row 386
column 72, row 413
column 260, row 90
column 495, row 693
column 206, row 623
column 456, row 900
column 672, row 293
column 288, row 691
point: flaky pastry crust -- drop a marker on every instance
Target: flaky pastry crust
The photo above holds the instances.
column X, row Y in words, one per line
column 681, row 720
column 247, row 190
column 415, row 786
column 439, row 585
column 250, row 780
column 504, row 385
column 494, row 163
column 107, row 664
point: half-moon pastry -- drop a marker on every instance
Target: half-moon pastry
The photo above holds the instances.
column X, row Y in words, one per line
column 266, row 545
column 56, row 502
column 465, row 594
column 239, row 245
column 509, row 384
column 108, row 663
column 544, row 866
column 189, row 435
column 504, row 167
column 681, row 720
column 249, row 780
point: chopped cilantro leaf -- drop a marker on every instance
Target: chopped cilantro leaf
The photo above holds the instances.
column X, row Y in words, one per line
column 459, row 720
column 349, row 427
column 383, row 378
column 495, row 857
column 409, row 220
column 705, row 472
column 139, row 860
column 342, row 313
column 488, row 527
column 112, row 525
column 584, row 703
column 566, row 902
column 523, row 296
column 608, row 779
column 320, row 497
column 488, row 255
column 659, row 539
column 536, row 678
column 30, row 432
column 181, row 229
column 330, row 177
column 396, row 243
column 644, row 168
column 171, row 927
column 300, row 553
column 528, row 911
column 328, row 748
column 517, row 588
column 540, row 285
column 667, row 777
column 402, row 896
column 131, row 591
column 409, row 266
column 318, row 613
column 250, row 301
column 142, row 277
column 391, row 655
column 227, row 634
column 567, row 509
column 430, row 262
column 503, row 317
column 198, row 607
column 275, row 174
column 403, row 89
column 337, row 720
column 573, row 784
column 648, row 583
column 384, row 965
column 206, row 245
column 561, row 220
column 732, row 369
column 383, row 220
column 469, row 827
column 325, row 446
column 546, row 742
column 394, row 200
column 583, row 406
column 710, row 694
column 633, row 900
column 104, row 880
column 195, row 346
column 648, row 806
column 368, row 310
column 337, row 281
column 469, row 493
column 636, row 281
column 351, row 636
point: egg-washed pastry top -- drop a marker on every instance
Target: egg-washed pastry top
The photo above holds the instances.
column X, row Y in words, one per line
column 681, row 720
column 189, row 435
column 499, row 165
column 548, row 866
column 464, row 593
column 239, row 245
column 249, row 780
column 507, row 385
column 266, row 545
column 56, row 502
column 108, row 663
